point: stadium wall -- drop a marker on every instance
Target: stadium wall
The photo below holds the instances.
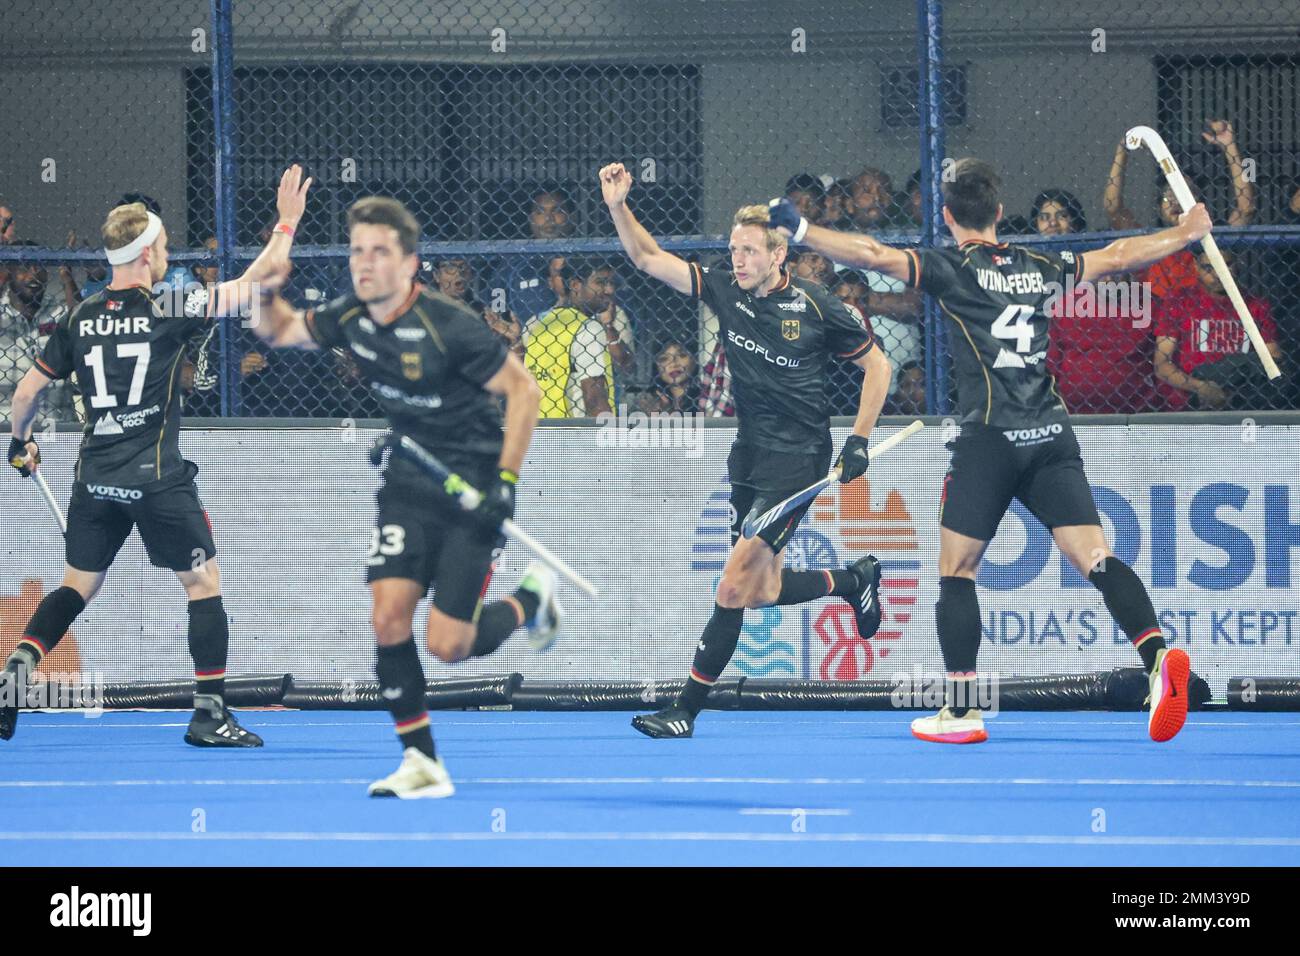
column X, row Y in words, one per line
column 1208, row 514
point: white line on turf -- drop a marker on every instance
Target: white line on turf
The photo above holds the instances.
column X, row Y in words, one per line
column 791, row 811
column 667, row 836
column 687, row 781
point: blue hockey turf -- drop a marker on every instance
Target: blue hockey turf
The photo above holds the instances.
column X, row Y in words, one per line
column 585, row 789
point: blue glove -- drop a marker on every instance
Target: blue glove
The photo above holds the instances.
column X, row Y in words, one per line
column 782, row 214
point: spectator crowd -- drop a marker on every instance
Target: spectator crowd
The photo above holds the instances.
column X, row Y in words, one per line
column 1170, row 342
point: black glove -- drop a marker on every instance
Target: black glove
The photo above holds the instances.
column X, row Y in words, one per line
column 853, row 460
column 782, row 214
column 498, row 502
column 18, row 455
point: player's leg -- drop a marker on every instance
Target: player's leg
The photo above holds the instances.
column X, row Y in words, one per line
column 1059, row 495
column 178, row 536
column 1126, row 598
column 402, row 686
column 722, row 632
column 460, row 625
column 96, row 531
column 753, row 575
column 212, row 724
column 957, row 618
column 858, row 584
column 976, row 494
column 403, row 552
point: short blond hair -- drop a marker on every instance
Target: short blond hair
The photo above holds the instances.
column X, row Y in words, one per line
column 124, row 225
column 757, row 215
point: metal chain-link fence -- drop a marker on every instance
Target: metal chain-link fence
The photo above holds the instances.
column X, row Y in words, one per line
column 490, row 121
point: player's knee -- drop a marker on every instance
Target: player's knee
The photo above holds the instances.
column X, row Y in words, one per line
column 390, row 625
column 766, row 595
column 448, row 644
column 731, row 593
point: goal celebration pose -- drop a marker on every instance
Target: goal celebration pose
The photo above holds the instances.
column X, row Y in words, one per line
column 436, row 369
column 780, row 333
column 125, row 349
column 1016, row 440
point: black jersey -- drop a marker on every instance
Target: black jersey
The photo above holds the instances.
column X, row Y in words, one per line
column 125, row 353
column 778, row 348
column 426, row 367
column 993, row 297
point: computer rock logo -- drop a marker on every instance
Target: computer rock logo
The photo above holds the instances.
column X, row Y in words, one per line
column 818, row 640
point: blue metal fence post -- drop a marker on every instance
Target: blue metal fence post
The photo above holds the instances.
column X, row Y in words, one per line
column 930, row 66
column 223, row 116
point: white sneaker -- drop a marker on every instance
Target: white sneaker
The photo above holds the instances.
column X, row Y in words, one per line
column 545, row 625
column 947, row 728
column 418, row 777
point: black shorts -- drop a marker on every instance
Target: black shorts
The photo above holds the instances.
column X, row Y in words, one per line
column 761, row 478
column 173, row 525
column 1041, row 468
column 421, row 536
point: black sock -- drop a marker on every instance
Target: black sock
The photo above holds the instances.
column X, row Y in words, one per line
column 500, row 619
column 798, row 587
column 1129, row 604
column 527, row 601
column 51, row 620
column 957, row 615
column 497, row 622
column 209, row 640
column 401, row 685
column 717, row 644
column 844, row 583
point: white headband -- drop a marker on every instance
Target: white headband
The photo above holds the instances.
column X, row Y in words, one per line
column 132, row 250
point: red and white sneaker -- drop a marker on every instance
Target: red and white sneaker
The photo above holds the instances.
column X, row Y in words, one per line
column 946, row 727
column 1168, row 694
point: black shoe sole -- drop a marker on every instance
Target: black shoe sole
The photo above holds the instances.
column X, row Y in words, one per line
column 879, row 615
column 208, row 740
column 640, row 724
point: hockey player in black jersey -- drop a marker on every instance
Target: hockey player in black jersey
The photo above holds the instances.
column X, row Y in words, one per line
column 125, row 346
column 781, row 333
column 1015, row 441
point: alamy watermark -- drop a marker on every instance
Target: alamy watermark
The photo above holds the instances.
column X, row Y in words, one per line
column 621, row 429
column 925, row 690
column 1100, row 300
column 72, row 691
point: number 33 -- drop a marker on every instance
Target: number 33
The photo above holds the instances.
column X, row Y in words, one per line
column 394, row 540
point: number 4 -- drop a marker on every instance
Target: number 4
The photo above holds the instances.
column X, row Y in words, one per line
column 1014, row 323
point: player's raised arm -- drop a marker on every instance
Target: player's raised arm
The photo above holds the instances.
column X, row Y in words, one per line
column 276, row 323
column 849, row 248
column 1138, row 252
column 615, row 181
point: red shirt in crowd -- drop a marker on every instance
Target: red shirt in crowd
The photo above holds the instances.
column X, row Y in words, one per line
column 1102, row 364
column 1172, row 275
column 1207, row 328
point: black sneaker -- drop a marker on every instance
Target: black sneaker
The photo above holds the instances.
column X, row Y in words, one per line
column 669, row 722
column 866, row 599
column 217, row 727
column 9, row 691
